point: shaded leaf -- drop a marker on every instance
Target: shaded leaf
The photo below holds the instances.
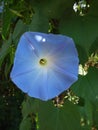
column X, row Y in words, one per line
column 7, row 16
column 39, row 22
column 83, row 30
column 5, row 49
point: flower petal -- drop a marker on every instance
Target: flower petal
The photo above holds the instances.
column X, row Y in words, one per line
column 59, row 81
column 45, row 81
column 39, row 89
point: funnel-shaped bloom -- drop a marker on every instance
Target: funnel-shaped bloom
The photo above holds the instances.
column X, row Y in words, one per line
column 45, row 65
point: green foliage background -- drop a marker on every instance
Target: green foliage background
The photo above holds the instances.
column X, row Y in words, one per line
column 17, row 110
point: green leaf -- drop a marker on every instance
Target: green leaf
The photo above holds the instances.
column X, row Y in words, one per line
column 39, row 22
column 87, row 89
column 30, row 105
column 26, row 124
column 52, row 118
column 5, row 49
column 94, row 46
column 7, row 16
column 87, row 86
column 53, row 8
column 20, row 28
column 83, row 29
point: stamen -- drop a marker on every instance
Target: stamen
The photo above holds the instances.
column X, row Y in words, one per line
column 43, row 62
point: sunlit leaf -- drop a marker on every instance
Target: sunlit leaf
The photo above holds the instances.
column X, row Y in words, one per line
column 87, row 89
column 26, row 124
column 52, row 118
column 30, row 105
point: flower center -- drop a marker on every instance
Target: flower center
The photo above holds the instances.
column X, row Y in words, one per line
column 43, row 62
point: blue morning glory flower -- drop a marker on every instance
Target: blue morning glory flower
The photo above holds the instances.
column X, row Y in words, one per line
column 45, row 65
